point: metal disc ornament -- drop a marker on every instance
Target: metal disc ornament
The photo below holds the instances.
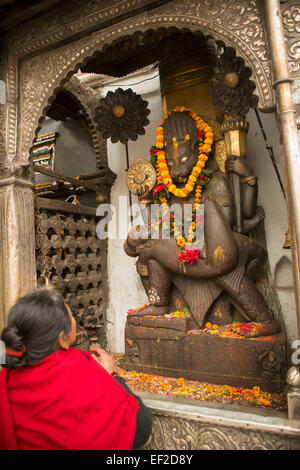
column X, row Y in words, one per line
column 141, row 177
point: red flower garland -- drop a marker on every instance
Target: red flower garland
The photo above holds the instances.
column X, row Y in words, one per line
column 189, row 256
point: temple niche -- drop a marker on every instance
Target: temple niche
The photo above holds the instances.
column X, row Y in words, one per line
column 200, row 303
column 199, row 308
column 211, row 315
column 209, row 318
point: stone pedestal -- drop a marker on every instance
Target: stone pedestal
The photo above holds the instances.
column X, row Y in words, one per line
column 171, row 347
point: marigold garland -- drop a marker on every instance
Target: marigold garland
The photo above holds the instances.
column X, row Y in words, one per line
column 164, row 180
column 205, row 135
column 203, row 391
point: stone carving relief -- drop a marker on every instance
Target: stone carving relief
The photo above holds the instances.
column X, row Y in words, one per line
column 2, row 113
column 39, row 77
column 2, row 133
column 270, row 364
column 240, row 24
column 244, row 18
column 89, row 100
column 133, row 352
column 16, row 236
column 12, row 106
column 176, row 433
column 65, row 22
column 291, row 23
column 237, row 23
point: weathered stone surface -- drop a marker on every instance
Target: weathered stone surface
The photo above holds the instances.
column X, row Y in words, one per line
column 17, row 247
column 185, row 425
column 199, row 355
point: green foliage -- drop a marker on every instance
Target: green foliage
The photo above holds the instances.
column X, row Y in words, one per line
column 153, row 158
column 187, row 312
column 206, row 173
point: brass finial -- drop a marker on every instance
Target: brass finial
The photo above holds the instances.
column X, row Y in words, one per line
column 287, row 242
column 231, row 79
column 293, row 377
column 118, row 111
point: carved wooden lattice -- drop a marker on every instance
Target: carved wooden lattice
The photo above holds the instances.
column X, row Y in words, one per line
column 73, row 258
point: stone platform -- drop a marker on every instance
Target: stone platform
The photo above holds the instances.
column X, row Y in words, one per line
column 188, row 425
column 170, row 347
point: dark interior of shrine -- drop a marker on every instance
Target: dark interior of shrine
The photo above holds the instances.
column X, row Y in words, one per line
column 170, row 48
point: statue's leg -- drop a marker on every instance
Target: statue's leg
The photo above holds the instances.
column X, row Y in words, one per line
column 145, row 280
column 257, row 259
column 220, row 313
column 256, row 256
column 160, row 257
column 252, row 305
column 157, row 285
column 221, row 249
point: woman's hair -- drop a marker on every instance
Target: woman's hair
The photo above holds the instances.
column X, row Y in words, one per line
column 35, row 322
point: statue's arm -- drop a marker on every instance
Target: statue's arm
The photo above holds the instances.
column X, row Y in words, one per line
column 228, row 213
column 219, row 190
column 249, row 190
column 249, row 198
column 145, row 201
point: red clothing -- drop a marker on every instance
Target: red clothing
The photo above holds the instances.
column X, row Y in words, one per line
column 66, row 401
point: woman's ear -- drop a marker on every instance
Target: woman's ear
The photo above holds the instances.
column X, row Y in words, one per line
column 63, row 341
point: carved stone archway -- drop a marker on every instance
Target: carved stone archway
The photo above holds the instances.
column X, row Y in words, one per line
column 88, row 100
column 45, row 54
column 238, row 24
column 40, row 60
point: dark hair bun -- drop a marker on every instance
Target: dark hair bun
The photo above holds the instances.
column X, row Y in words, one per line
column 13, row 340
column 35, row 321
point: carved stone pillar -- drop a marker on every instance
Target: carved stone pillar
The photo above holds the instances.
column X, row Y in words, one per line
column 290, row 10
column 17, row 247
column 293, row 392
column 288, row 127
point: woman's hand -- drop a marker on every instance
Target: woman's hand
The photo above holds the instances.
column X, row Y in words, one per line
column 104, row 359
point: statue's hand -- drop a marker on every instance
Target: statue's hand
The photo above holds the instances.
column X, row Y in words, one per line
column 249, row 224
column 147, row 195
column 239, row 166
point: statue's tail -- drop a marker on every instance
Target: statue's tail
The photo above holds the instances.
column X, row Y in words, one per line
column 199, row 295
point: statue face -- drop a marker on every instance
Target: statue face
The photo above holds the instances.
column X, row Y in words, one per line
column 181, row 158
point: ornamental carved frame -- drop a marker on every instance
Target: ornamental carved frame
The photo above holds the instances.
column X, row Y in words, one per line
column 290, row 11
column 88, row 99
column 172, row 431
column 40, row 64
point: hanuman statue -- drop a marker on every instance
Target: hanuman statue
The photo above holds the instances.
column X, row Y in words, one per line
column 224, row 269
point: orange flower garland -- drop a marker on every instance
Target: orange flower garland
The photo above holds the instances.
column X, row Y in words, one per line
column 164, row 177
column 204, row 149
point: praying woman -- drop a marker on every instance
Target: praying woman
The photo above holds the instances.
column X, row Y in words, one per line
column 55, row 397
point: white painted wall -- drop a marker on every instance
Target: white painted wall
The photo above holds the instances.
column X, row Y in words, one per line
column 273, row 202
column 125, row 288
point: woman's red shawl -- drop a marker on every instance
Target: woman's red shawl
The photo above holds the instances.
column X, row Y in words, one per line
column 66, row 401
